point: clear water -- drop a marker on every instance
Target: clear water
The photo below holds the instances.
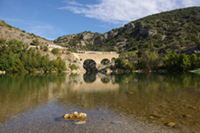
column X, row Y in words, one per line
column 113, row 103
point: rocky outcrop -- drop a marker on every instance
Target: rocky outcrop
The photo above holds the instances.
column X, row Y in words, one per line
column 86, row 36
column 145, row 31
column 98, row 41
column 82, row 43
column 130, row 26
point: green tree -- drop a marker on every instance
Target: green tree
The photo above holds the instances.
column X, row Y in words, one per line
column 130, row 66
column 45, row 48
column 55, row 51
column 35, row 42
column 149, row 60
column 183, row 63
column 59, row 65
column 171, row 60
column 193, row 60
column 73, row 67
column 121, row 62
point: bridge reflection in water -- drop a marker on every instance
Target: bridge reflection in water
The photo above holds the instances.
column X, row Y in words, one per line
column 93, row 83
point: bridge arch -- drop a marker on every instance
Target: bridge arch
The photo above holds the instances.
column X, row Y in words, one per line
column 97, row 56
column 90, row 65
column 105, row 61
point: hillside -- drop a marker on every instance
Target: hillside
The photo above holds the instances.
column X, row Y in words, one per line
column 8, row 32
column 178, row 29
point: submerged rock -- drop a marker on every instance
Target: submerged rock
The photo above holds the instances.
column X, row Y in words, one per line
column 171, row 124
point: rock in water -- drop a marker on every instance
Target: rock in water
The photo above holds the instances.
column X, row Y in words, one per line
column 75, row 116
column 171, row 124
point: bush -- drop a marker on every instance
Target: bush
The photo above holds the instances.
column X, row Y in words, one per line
column 73, row 67
column 55, row 51
column 35, row 42
column 45, row 48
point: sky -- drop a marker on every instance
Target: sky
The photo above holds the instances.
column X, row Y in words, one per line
column 54, row 18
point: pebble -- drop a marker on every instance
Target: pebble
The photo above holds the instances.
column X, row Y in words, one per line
column 80, row 122
column 171, row 124
column 151, row 117
column 116, row 122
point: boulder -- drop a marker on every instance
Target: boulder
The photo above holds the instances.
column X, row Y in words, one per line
column 75, row 116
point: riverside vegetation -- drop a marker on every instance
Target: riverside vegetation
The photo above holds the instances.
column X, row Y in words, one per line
column 16, row 57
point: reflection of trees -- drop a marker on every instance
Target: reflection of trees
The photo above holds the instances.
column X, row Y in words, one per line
column 20, row 92
column 105, row 79
column 89, row 78
column 166, row 98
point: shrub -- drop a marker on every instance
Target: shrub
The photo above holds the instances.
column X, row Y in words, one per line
column 35, row 42
column 55, row 51
column 45, row 48
column 73, row 67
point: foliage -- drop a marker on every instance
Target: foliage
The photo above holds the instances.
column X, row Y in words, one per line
column 180, row 62
column 16, row 57
column 45, row 48
column 35, row 42
column 73, row 67
column 148, row 60
column 59, row 65
column 55, row 51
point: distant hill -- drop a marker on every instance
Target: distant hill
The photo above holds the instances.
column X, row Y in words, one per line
column 8, row 32
column 178, row 29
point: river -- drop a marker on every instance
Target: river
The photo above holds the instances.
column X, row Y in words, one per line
column 113, row 103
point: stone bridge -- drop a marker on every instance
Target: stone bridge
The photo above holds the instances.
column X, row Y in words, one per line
column 96, row 56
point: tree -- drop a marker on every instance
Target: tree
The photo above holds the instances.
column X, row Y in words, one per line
column 35, row 42
column 121, row 62
column 55, row 51
column 183, row 63
column 73, row 67
column 14, row 57
column 59, row 65
column 45, row 48
column 171, row 60
column 130, row 66
column 193, row 60
column 149, row 60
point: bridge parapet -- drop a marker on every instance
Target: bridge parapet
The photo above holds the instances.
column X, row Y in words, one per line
column 96, row 52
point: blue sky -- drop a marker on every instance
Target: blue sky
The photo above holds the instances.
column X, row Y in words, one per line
column 54, row 18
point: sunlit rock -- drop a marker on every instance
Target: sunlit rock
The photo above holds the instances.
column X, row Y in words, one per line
column 75, row 116
column 171, row 124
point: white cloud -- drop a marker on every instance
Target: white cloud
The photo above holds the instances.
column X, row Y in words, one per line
column 72, row 2
column 123, row 11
